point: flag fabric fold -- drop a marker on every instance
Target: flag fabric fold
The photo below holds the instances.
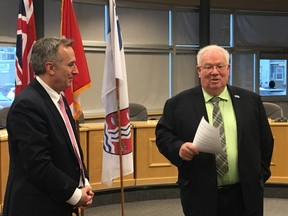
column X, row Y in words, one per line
column 115, row 69
column 70, row 30
column 26, row 37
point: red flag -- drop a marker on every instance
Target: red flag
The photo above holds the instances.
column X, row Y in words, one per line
column 26, row 36
column 70, row 30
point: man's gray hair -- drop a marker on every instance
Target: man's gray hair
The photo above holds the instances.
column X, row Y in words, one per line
column 221, row 50
column 46, row 50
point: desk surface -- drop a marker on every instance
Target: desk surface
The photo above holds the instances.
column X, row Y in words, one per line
column 134, row 124
column 278, row 123
column 137, row 124
column 3, row 135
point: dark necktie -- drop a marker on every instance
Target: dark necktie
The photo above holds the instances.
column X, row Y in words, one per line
column 221, row 159
column 72, row 137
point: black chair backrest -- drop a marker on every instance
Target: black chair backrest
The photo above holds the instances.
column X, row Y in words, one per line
column 3, row 116
column 273, row 110
column 137, row 112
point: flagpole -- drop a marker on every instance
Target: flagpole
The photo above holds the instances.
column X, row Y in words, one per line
column 82, row 211
column 120, row 146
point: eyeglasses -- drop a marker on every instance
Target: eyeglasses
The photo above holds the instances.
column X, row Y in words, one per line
column 210, row 68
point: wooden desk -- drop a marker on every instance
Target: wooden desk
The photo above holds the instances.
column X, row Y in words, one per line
column 279, row 163
column 83, row 137
column 151, row 167
column 4, row 165
column 95, row 132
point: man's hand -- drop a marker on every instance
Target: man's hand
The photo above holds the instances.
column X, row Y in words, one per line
column 86, row 198
column 188, row 151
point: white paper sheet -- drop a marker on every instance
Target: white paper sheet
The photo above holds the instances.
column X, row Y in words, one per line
column 207, row 138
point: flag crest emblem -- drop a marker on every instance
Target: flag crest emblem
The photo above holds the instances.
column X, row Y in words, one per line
column 111, row 131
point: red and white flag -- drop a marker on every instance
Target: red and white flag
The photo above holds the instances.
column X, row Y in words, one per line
column 81, row 82
column 26, row 37
column 115, row 68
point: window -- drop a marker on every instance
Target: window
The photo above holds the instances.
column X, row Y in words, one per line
column 272, row 76
column 160, row 46
column 7, row 73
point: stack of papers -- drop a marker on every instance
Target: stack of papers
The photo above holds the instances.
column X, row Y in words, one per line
column 207, row 138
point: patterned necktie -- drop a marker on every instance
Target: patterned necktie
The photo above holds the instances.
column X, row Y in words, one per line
column 72, row 137
column 221, row 159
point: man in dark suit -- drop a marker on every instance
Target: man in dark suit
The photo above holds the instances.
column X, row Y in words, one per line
column 44, row 174
column 248, row 147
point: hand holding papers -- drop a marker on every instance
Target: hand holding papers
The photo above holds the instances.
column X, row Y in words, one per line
column 207, row 138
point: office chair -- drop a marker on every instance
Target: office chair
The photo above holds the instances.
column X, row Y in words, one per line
column 273, row 110
column 137, row 112
column 81, row 118
column 3, row 116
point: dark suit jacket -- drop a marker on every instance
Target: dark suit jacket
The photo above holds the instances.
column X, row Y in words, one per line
column 197, row 178
column 44, row 171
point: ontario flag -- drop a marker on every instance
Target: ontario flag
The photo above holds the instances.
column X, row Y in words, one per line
column 81, row 82
column 26, row 37
column 115, row 100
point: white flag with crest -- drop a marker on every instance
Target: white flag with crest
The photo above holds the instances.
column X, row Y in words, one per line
column 115, row 68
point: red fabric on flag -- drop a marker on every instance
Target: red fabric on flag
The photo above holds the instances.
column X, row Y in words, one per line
column 26, row 37
column 70, row 30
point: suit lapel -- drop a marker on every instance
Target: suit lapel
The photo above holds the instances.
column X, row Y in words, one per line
column 237, row 106
column 199, row 102
column 72, row 122
column 51, row 106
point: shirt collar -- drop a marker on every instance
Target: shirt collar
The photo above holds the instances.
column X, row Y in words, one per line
column 53, row 94
column 224, row 95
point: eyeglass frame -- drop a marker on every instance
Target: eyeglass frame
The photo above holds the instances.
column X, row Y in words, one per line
column 209, row 68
